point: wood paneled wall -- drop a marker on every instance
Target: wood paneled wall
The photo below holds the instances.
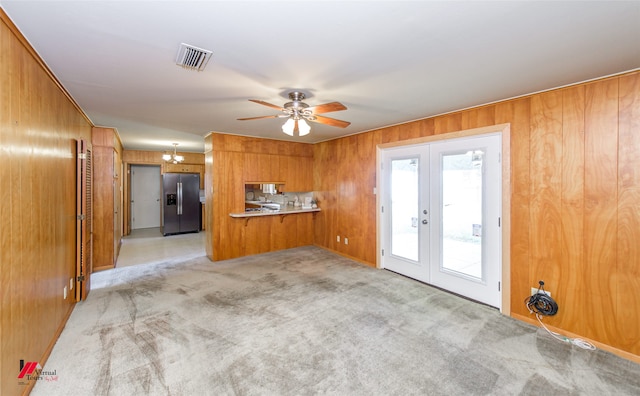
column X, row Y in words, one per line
column 575, row 201
column 107, row 197
column 155, row 157
column 231, row 161
column 39, row 125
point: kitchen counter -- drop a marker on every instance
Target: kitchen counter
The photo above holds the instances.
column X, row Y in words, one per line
column 285, row 210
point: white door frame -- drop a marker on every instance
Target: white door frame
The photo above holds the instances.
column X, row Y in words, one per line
column 505, row 131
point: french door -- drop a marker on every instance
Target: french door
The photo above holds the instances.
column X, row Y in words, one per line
column 441, row 205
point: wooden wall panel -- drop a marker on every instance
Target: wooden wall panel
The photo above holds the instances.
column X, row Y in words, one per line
column 627, row 275
column 545, row 182
column 325, row 175
column 39, row 125
column 570, row 290
column 600, row 181
column 228, row 197
column 243, row 144
column 209, row 217
column 103, row 222
column 155, row 157
column 236, row 160
column 480, row 117
column 575, row 201
column 448, row 123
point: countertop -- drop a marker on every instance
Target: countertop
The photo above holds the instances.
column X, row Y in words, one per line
column 284, row 210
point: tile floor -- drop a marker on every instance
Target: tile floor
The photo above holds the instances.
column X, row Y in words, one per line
column 148, row 246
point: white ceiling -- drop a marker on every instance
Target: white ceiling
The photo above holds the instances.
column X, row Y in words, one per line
column 388, row 61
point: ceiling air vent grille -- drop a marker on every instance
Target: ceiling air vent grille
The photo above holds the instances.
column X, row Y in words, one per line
column 193, row 58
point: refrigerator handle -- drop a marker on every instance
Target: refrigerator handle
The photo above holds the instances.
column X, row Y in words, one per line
column 179, row 199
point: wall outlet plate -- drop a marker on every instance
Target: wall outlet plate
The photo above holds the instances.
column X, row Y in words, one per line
column 534, row 290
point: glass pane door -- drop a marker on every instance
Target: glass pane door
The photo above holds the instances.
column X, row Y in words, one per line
column 404, row 208
column 466, row 208
column 405, row 211
column 462, row 213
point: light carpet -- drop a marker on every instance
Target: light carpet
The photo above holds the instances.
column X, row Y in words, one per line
column 305, row 321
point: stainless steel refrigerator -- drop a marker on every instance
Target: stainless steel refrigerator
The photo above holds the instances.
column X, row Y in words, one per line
column 181, row 206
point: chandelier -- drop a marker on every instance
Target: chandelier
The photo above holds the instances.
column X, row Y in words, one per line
column 173, row 158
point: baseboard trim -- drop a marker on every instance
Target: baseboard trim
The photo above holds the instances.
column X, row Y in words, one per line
column 619, row 352
column 373, row 265
column 47, row 352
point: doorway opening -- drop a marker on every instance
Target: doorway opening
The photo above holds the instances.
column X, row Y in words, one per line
column 146, row 193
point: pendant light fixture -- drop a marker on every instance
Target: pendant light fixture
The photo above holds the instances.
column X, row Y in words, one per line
column 173, row 158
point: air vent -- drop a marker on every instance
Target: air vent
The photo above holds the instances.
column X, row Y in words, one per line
column 192, row 58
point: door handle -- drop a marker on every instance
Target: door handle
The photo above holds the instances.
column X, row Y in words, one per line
column 425, row 221
column 179, row 199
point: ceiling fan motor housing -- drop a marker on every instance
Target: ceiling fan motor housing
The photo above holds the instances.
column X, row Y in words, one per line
column 296, row 107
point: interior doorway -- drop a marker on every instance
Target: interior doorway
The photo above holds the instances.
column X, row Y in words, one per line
column 146, row 192
column 441, row 214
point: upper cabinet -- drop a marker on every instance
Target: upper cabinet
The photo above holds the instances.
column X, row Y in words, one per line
column 295, row 173
column 183, row 168
column 298, row 173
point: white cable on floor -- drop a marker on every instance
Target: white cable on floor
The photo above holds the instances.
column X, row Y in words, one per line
column 579, row 342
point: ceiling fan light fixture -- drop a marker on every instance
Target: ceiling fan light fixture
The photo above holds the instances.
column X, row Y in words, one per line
column 288, row 126
column 303, row 127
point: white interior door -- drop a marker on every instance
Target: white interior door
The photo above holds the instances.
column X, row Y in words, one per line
column 441, row 215
column 146, row 190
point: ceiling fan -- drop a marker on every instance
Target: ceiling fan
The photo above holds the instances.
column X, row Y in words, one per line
column 297, row 112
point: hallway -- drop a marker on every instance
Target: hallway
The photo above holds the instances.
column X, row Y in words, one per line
column 148, row 246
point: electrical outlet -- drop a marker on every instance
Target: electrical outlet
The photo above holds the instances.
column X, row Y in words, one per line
column 338, row 238
column 346, row 240
column 64, row 293
column 534, row 290
column 70, row 283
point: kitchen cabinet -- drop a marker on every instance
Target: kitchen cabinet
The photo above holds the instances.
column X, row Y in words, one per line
column 186, row 168
column 237, row 161
column 298, row 173
column 262, row 168
column 182, row 168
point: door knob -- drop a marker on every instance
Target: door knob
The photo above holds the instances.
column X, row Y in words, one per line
column 425, row 221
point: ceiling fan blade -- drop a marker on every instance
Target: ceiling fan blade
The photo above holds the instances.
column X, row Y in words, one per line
column 266, row 104
column 261, row 117
column 327, row 108
column 331, row 121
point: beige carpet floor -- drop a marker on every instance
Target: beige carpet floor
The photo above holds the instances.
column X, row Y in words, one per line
column 304, row 322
